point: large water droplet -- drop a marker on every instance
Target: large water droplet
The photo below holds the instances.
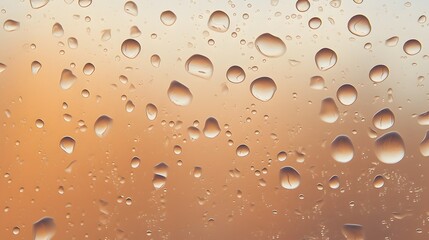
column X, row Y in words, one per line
column 151, row 111
column 325, row 59
column 329, row 111
column 242, row 150
column 378, row 181
column 334, row 182
column 342, row 149
column 390, row 148
column 88, row 69
column 211, row 128
column 200, row 66
column 424, row 145
column 67, row 79
column 218, row 21
column 353, row 231
column 302, row 5
column 383, row 119
column 168, row 18
column 235, row 74
column 103, row 125
column 289, row 178
column 412, row 47
column 378, row 73
column 135, row 162
column 67, row 144
column 57, row 30
column 347, row 94
column 11, row 25
column 130, row 48
column 270, row 45
column 35, row 67
column 179, row 94
column 263, row 88
column 44, row 229
column 359, row 25
column 38, row 3
column 130, row 7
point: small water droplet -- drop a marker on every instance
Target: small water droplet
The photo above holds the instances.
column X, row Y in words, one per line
column 263, row 88
column 106, row 35
column 391, row 42
column 39, row 123
column 16, row 230
column 179, row 94
column 198, row 172
column 151, row 111
column 325, row 59
column 211, row 128
column 130, row 48
column 88, row 69
column 390, row 148
column 35, row 67
column 57, row 30
column 11, row 25
column 334, row 182
column 135, row 162
column 102, row 125
column 194, row 133
column 289, row 178
column 422, row 19
column 317, row 82
column 200, row 66
column 67, row 79
column 129, row 106
column 67, row 144
column 242, row 150
column 155, row 60
column 329, row 111
column 314, row 23
column 359, row 25
column 235, row 74
column 342, row 149
column 218, row 21
column 270, row 45
column 378, row 181
column 383, row 119
column 72, row 42
column 168, row 18
column 379, row 73
column 412, row 47
column 281, row 156
column 85, row 3
column 347, row 94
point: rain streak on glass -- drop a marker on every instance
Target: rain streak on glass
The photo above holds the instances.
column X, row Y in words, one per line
column 412, row 47
column 289, row 178
column 270, row 45
column 353, row 231
column 325, row 59
column 199, row 66
column 379, row 73
column 218, row 21
column 179, row 94
column 130, row 48
column 102, row 125
column 168, row 18
column 211, row 128
column 383, row 119
column 347, row 94
column 390, row 148
column 235, row 74
column 359, row 25
column 342, row 149
column 263, row 88
column 44, row 229
column 329, row 111
column 67, row 144
column 242, row 150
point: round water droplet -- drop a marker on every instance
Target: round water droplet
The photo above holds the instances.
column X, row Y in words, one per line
column 67, row 144
column 378, row 73
column 39, row 123
column 218, row 21
column 242, row 150
column 88, row 69
column 135, row 162
column 342, row 149
column 168, row 18
column 38, row 3
column 347, row 94
column 391, row 42
column 302, row 5
column 179, row 94
column 329, row 111
column 151, row 111
column 102, row 125
column 193, row 133
column 314, row 23
column 57, row 30
column 45, row 228
column 281, row 156
column 359, row 25
column 67, row 79
column 412, row 47
column 378, row 181
column 383, row 119
column 235, row 74
column 130, row 48
column 130, row 7
column 289, row 178
column 129, row 106
column 85, row 3
column 317, row 82
column 270, row 45
column 155, row 60
column 200, row 66
column 211, row 128
column 325, row 59
column 390, row 148
column 424, row 145
column 16, row 230
column 334, row 182
column 11, row 25
column 263, row 88
column 353, row 231
column 35, row 67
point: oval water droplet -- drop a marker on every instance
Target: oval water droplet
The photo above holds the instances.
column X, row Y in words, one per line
column 391, row 42
column 129, row 106
column 378, row 181
column 211, row 128
column 329, row 111
column 412, row 47
column 353, row 231
column 359, row 25
column 235, row 74
column 342, row 149
column 44, row 229
column 57, row 30
column 102, row 125
column 390, row 148
column 168, row 18
column 151, row 111
column 130, row 48
column 379, row 73
column 242, row 150
column 67, row 144
column 85, row 3
column 218, row 21
column 198, row 171
column 135, row 162
column 302, row 5
column 199, row 66
column 88, row 69
column 194, row 133
column 424, row 145
column 16, row 230
column 383, row 119
column 67, row 79
column 325, row 59
column 334, row 182
column 179, row 94
column 270, row 45
column 289, row 178
column 263, row 88
column 11, row 25
column 314, row 23
column 38, row 3
column 131, row 8
column 155, row 60
column 347, row 94
column 35, row 67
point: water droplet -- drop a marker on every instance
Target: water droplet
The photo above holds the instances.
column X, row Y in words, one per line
column 155, row 60
column 168, row 18
column 39, row 123
column 106, row 34
column 67, row 79
column 383, row 119
column 38, row 3
column 151, row 111
column 11, row 25
column 379, row 73
column 335, row 3
column 424, row 145
column 129, row 106
column 72, row 42
column 218, row 21
column 135, row 162
column 423, row 118
column 353, row 231
column 391, row 42
column 88, row 69
column 235, row 74
column 103, row 125
column 342, row 149
column 200, row 66
column 329, row 111
column 160, row 175
column 130, row 7
column 281, row 156
column 35, row 67
column 211, row 128
column 198, row 172
column 302, row 5
column 390, row 148
column 130, row 48
column 67, row 144
column 270, row 45
column 16, row 230
column 2, row 67
column 193, row 133
column 325, row 59
column 314, row 23
column 317, row 82
column 179, row 94
column 422, row 19
column 57, row 30
column 359, row 25
column 44, row 229
column 242, row 150
column 412, row 47
column 334, row 182
column 378, row 181
column 347, row 94
column 289, row 178
column 85, row 3
column 263, row 88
